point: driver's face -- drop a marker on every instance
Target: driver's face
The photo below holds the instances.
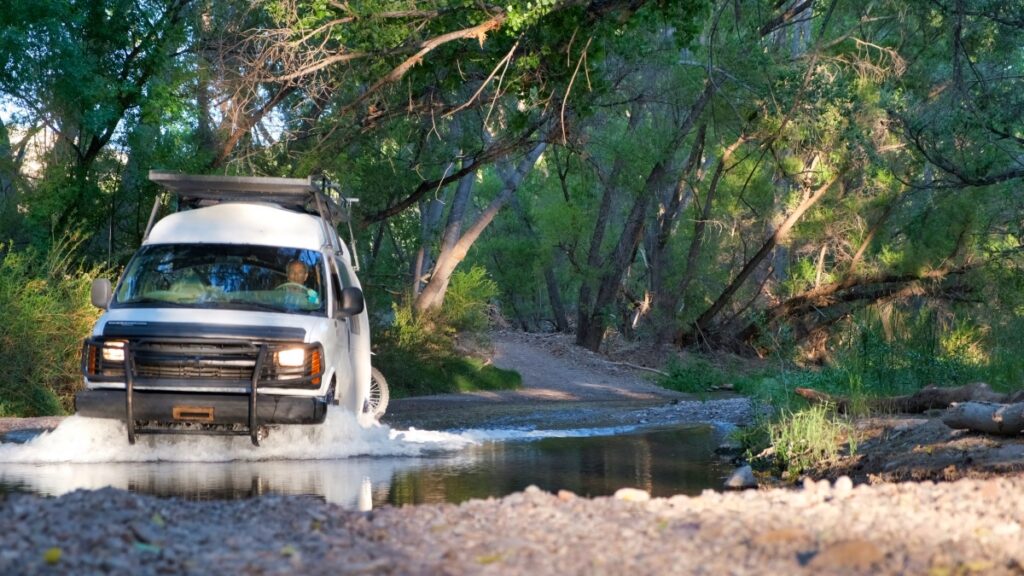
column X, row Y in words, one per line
column 297, row 273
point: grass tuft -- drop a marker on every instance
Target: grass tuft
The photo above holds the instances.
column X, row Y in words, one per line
column 809, row 437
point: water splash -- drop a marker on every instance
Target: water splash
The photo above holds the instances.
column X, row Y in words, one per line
column 520, row 434
column 91, row 440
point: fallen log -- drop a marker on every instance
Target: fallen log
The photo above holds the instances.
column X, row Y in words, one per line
column 927, row 398
column 987, row 417
column 638, row 367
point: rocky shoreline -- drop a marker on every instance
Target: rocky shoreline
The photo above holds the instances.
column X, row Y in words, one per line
column 963, row 527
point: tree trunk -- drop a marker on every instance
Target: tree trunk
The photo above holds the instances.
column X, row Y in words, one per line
column 463, row 192
column 591, row 324
column 663, row 300
column 432, row 296
column 561, row 320
column 584, row 311
column 431, row 211
column 820, row 307
column 928, row 398
column 1001, row 419
column 703, row 323
column 591, row 333
column 669, row 300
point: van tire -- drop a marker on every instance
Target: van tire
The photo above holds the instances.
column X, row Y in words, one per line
column 377, row 401
column 332, row 392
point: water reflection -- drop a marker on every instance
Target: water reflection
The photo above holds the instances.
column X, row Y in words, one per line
column 662, row 462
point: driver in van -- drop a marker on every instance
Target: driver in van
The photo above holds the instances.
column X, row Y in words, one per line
column 297, row 274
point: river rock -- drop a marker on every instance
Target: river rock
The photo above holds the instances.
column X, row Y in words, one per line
column 632, row 495
column 566, row 495
column 843, row 487
column 742, row 477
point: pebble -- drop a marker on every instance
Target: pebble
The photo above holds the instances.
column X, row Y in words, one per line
column 742, row 477
column 906, row 528
column 632, row 495
column 842, row 487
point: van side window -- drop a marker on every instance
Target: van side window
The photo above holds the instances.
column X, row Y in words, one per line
column 336, row 283
column 347, row 276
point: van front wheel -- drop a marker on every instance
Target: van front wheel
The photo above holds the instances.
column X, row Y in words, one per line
column 379, row 394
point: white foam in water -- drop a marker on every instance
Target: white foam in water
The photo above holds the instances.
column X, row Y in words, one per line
column 342, row 435
column 81, row 440
column 507, row 434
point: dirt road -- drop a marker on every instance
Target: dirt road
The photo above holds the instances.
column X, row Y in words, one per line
column 565, row 386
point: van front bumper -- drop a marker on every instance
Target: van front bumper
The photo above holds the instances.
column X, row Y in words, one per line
column 204, row 408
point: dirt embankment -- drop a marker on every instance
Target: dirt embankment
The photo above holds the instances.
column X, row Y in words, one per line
column 899, row 448
column 555, row 370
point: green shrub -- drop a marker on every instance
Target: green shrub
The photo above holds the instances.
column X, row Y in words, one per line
column 695, row 375
column 467, row 298
column 809, row 437
column 47, row 312
column 411, row 375
column 418, row 356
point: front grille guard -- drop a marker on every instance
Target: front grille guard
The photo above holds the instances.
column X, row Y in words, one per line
column 129, row 382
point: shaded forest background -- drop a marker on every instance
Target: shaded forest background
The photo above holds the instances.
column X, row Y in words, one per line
column 818, row 182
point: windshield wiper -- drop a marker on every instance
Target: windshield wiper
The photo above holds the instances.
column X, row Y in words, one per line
column 247, row 305
column 167, row 303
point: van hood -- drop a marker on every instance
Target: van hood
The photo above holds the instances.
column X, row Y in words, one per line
column 204, row 323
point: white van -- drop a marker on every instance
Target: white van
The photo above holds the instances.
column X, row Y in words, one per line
column 239, row 311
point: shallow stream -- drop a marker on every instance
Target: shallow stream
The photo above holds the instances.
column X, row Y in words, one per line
column 363, row 465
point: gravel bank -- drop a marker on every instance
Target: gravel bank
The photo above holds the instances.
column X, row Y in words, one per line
column 969, row 526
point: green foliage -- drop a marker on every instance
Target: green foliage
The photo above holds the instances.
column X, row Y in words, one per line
column 47, row 313
column 923, row 356
column 467, row 299
column 418, row 355
column 694, row 375
column 524, row 14
column 809, row 437
column 120, row 88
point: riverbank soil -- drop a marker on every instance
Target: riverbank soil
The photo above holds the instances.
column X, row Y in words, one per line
column 905, row 447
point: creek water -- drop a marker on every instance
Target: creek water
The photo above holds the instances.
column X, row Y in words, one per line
column 362, row 464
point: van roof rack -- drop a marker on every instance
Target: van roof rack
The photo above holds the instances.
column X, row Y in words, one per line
column 298, row 194
column 190, row 186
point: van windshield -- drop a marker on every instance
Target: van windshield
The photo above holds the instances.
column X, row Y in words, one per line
column 231, row 276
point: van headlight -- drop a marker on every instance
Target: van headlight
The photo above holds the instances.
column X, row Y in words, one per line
column 296, row 366
column 103, row 360
column 113, row 351
column 291, row 357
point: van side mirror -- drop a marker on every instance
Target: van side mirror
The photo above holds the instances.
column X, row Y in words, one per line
column 101, row 293
column 351, row 302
